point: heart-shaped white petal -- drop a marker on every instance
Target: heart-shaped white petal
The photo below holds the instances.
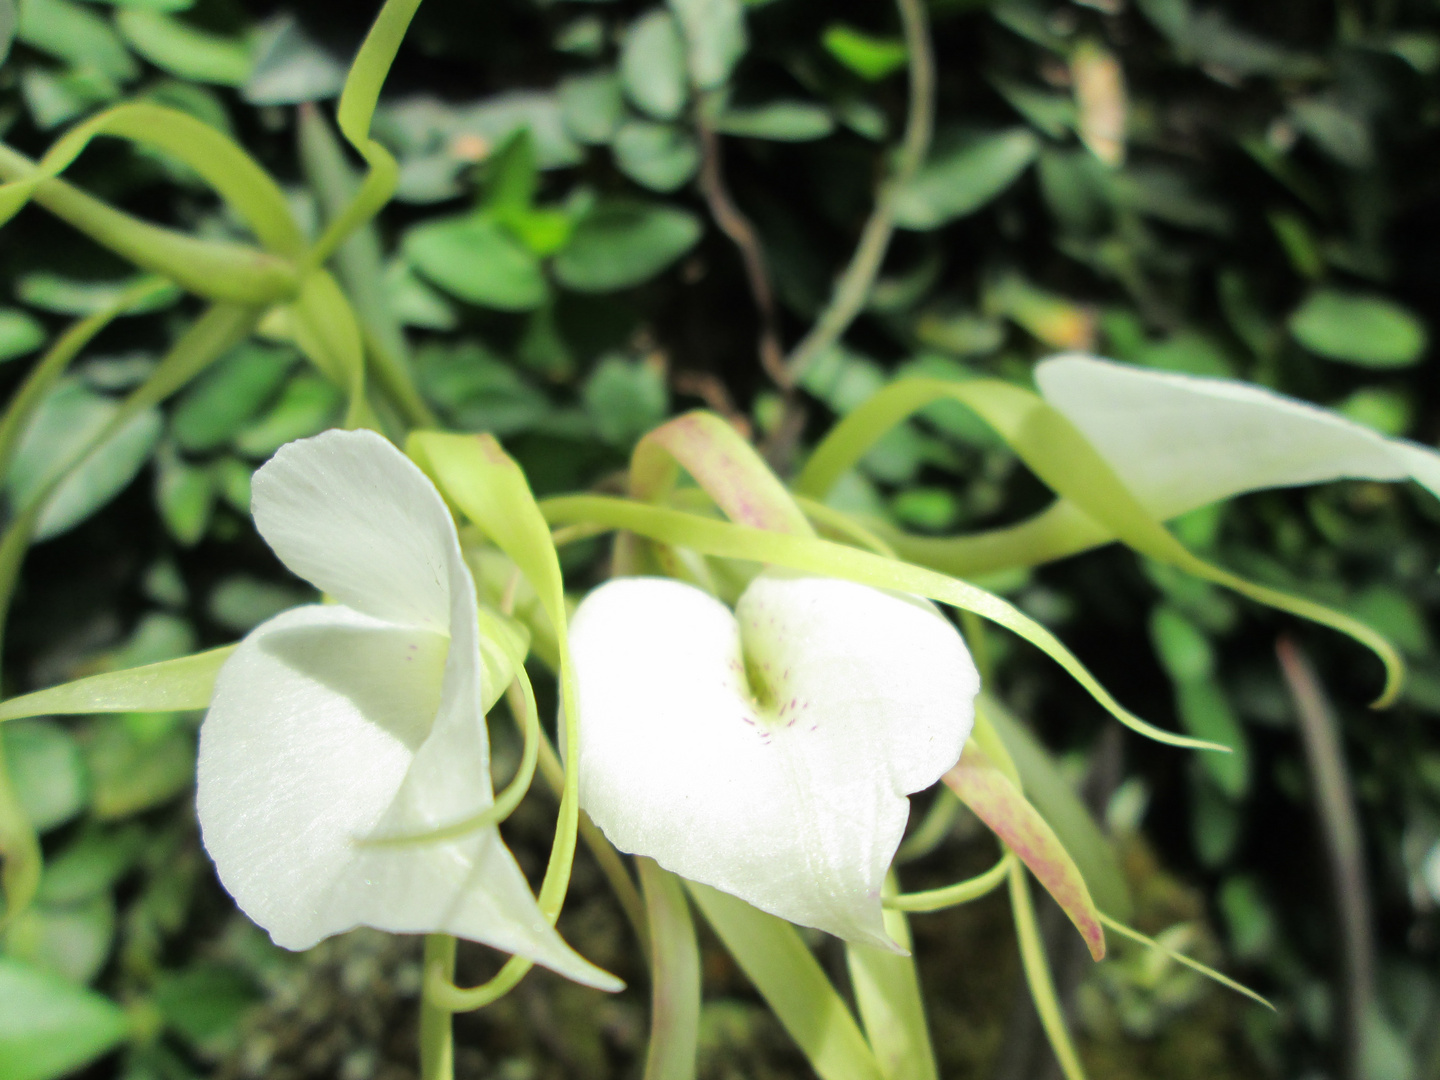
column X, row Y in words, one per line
column 332, row 723
column 1183, row 441
column 768, row 752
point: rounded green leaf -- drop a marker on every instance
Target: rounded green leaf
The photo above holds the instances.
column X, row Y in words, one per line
column 661, row 157
column 781, row 121
column 652, row 65
column 1358, row 328
column 622, row 243
column 591, row 106
column 715, row 37
column 868, row 56
column 215, row 407
column 19, row 334
column 47, row 772
column 960, row 180
column 473, row 258
column 50, row 1027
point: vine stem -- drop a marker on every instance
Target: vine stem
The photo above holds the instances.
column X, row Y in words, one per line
column 854, row 285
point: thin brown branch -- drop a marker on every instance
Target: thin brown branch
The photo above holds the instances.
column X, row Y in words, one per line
column 1344, row 848
column 734, row 224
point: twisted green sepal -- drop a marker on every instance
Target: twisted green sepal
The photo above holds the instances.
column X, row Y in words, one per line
column 476, row 475
column 357, row 108
column 218, row 270
column 325, row 329
column 822, row 557
column 773, row 955
column 675, row 976
column 1060, row 456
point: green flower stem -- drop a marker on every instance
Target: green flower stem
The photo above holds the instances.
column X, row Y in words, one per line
column 437, row 1024
column 217, row 270
column 675, row 979
column 358, row 263
column 1037, row 974
column 892, row 1007
column 853, row 288
column 962, row 892
column 710, row 537
column 357, row 108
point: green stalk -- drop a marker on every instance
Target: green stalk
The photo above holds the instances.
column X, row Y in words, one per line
column 675, row 983
column 437, row 1024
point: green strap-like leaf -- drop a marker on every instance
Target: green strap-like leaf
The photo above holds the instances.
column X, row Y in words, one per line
column 357, row 108
column 1052, row 794
column 216, row 269
column 674, row 978
column 771, row 953
column 358, row 262
column 219, row 160
column 327, row 332
column 711, row 537
column 1037, row 975
column 1059, row 455
column 892, row 1007
column 170, row 686
column 726, row 467
column 999, row 804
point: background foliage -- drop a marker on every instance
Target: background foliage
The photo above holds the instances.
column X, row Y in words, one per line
column 1219, row 188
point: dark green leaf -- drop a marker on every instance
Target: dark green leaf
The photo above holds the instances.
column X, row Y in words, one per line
column 866, row 55
column 661, row 157
column 214, row 409
column 50, row 1027
column 964, row 177
column 307, row 406
column 592, row 106
column 1358, row 328
column 625, row 399
column 205, row 1002
column 622, row 243
column 473, row 258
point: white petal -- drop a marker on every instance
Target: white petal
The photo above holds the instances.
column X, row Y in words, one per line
column 353, row 516
column 795, row 802
column 317, row 719
column 1181, row 441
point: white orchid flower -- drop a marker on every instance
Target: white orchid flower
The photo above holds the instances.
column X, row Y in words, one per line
column 1181, row 441
column 768, row 752
column 334, row 723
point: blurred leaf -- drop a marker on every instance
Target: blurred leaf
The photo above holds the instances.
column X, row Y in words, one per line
column 1100, row 96
column 290, row 66
column 9, row 16
column 926, row 508
column 592, row 106
column 1336, row 129
column 715, row 38
column 70, row 296
column 1169, row 195
column 1358, row 328
column 1205, row 713
column 130, row 774
column 1216, row 820
column 185, row 497
column 1294, row 236
column 1387, row 411
column 183, row 50
column 1395, row 615
column 75, row 33
column 20, row 333
column 1250, row 918
column 156, row 637
column 661, row 157
column 215, row 407
column 47, row 772
column 72, row 940
column 622, row 243
column 1182, row 648
column 50, row 1027
column 471, row 257
column 868, row 56
column 63, row 425
column 307, row 406
column 477, row 390
column 241, row 603
column 963, row 333
column 52, row 99
column 413, row 302
column 964, row 176
column 652, row 65
column 1050, row 318
column 780, row 121
column 497, row 119
column 205, row 1003
column 92, row 864
column 625, row 399
column 1053, row 114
